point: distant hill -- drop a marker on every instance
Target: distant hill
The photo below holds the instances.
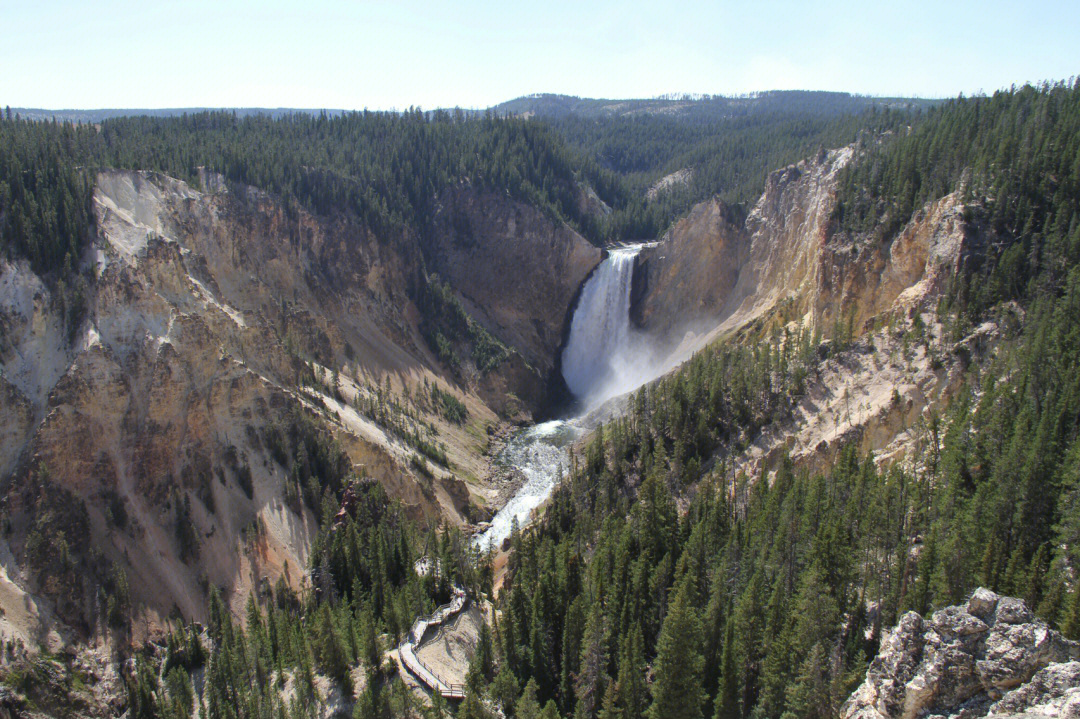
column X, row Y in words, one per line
column 550, row 105
column 707, row 106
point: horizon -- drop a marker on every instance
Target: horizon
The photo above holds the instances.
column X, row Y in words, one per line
column 123, row 54
column 666, row 97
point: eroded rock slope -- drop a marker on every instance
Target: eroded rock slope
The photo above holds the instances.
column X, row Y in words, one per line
column 714, row 272
column 786, row 267
column 142, row 429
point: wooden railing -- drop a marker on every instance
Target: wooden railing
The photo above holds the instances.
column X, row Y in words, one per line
column 415, row 665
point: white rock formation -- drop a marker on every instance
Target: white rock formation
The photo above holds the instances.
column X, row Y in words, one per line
column 990, row 657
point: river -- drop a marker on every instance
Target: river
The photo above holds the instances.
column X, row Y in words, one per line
column 604, row 357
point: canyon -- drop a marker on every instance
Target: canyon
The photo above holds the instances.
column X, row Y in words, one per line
column 225, row 329
column 219, row 318
column 211, row 303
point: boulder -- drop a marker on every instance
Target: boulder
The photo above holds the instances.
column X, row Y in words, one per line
column 988, row 657
column 1051, row 692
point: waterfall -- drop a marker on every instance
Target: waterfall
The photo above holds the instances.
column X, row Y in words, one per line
column 599, row 360
column 603, row 357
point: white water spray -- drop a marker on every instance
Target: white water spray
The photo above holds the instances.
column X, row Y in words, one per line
column 604, row 357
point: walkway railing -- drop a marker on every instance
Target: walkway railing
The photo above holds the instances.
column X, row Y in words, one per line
column 407, row 649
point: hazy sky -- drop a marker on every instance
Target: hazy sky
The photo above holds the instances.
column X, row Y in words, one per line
column 381, row 55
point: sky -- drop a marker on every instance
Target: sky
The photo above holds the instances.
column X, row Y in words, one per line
column 392, row 55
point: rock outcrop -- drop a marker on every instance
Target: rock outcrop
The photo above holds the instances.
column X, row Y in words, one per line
column 750, row 266
column 684, row 282
column 990, row 657
column 787, row 267
column 667, row 183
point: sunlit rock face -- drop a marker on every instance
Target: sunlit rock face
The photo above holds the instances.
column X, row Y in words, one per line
column 990, row 657
column 715, row 272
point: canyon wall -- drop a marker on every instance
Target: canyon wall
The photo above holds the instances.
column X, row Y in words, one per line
column 712, row 273
column 139, row 420
column 787, row 266
column 516, row 269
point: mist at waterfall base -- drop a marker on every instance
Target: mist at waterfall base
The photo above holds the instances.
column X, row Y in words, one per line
column 604, row 357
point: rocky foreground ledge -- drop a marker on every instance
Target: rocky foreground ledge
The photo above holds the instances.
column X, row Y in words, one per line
column 991, row 657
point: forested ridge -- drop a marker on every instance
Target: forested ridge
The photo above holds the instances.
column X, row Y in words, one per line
column 388, row 168
column 727, row 156
column 384, row 168
column 1020, row 147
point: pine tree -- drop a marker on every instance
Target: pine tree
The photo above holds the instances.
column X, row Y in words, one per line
column 1036, row 576
column 1071, row 627
column 527, row 705
column 504, row 689
column 591, row 678
column 809, row 696
column 472, row 708
column 485, row 653
column 726, row 705
column 551, row 711
column 609, row 708
column 677, row 692
column 633, row 692
column 330, row 653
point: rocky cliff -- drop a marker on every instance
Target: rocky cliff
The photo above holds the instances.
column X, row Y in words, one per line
column 785, row 268
column 684, row 282
column 713, row 273
column 517, row 269
column 990, row 657
column 142, row 424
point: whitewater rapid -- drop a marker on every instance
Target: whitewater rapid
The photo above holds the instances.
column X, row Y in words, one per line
column 603, row 358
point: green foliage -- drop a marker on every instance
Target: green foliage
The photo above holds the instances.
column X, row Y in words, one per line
column 389, row 170
column 187, row 538
column 117, row 597
column 315, row 462
column 786, row 564
column 729, row 149
column 363, row 584
column 677, row 687
column 386, row 169
column 115, row 509
column 181, row 694
column 45, row 213
column 1019, row 148
column 449, row 406
column 527, row 706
